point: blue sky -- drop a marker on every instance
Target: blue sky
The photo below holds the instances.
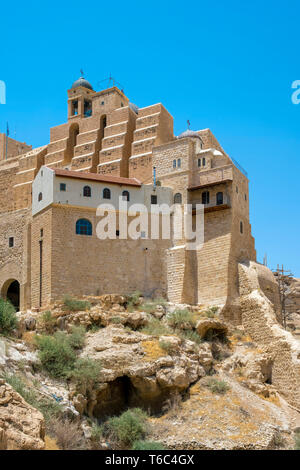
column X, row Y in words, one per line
column 227, row 65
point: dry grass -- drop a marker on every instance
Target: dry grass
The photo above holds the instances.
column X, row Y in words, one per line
column 29, row 337
column 67, row 434
column 152, row 349
column 50, row 443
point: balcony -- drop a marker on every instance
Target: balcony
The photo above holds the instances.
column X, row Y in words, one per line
column 214, row 204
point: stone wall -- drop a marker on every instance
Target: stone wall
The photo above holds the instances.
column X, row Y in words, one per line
column 259, row 320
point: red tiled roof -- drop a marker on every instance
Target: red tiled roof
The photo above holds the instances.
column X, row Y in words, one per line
column 96, row 177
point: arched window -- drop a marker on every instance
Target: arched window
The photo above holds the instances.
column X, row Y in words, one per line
column 179, row 162
column 125, row 196
column 84, row 227
column 203, row 162
column 106, row 193
column 205, row 197
column 40, row 197
column 178, row 198
column 219, row 198
column 241, row 227
column 87, row 192
column 199, row 162
column 174, row 163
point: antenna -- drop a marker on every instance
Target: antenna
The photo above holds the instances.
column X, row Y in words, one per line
column 81, row 72
column 110, row 80
column 188, row 123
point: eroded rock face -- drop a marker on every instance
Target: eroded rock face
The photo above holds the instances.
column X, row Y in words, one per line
column 22, row 427
column 214, row 325
column 137, row 371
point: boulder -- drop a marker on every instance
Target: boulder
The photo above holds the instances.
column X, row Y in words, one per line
column 22, row 427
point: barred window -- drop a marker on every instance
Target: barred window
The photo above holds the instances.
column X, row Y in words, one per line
column 84, row 227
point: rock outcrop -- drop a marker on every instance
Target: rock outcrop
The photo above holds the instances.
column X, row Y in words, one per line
column 22, row 427
column 260, row 322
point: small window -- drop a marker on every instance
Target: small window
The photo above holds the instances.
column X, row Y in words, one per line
column 117, row 233
column 179, row 163
column 143, row 234
column 237, row 189
column 219, row 198
column 199, row 162
column 75, row 107
column 174, row 163
column 87, row 192
column 153, row 199
column 87, row 108
column 126, row 196
column 83, row 227
column 106, row 193
column 102, row 103
column 245, row 197
column 40, row 197
column 241, row 227
column 178, row 198
column 62, row 186
column 203, row 162
column 11, row 242
column 205, row 197
column 41, row 232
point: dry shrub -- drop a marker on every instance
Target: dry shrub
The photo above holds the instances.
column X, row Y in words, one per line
column 67, row 434
column 172, row 405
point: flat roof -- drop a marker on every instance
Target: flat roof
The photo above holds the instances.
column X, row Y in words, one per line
column 96, row 177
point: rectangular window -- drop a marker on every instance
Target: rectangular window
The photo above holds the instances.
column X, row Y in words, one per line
column 117, row 233
column 199, row 162
column 62, row 186
column 153, row 199
column 11, row 242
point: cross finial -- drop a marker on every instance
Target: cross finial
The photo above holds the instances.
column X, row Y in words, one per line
column 81, row 72
column 188, row 123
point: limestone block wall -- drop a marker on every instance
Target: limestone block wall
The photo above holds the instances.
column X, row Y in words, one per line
column 154, row 126
column 79, row 265
column 41, row 259
column 116, row 144
column 259, row 320
column 15, row 260
column 14, row 147
column 29, row 165
column 8, row 170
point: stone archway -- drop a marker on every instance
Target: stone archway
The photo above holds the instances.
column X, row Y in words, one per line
column 11, row 292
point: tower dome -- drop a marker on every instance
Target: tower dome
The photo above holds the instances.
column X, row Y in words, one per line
column 82, row 82
column 189, row 133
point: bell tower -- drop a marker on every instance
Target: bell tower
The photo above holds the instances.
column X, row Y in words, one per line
column 80, row 100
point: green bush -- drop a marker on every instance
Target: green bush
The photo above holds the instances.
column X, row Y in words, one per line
column 74, row 305
column 147, row 445
column 85, row 372
column 8, row 318
column 76, row 338
column 151, row 305
column 133, row 301
column 297, row 441
column 191, row 336
column 47, row 322
column 217, row 386
column 56, row 354
column 129, row 427
column 211, row 311
column 97, row 432
column 181, row 319
column 155, row 327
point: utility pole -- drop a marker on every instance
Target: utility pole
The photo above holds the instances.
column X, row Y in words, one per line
column 283, row 278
